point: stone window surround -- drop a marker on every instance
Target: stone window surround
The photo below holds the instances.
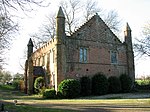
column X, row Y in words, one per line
column 83, row 54
column 115, row 55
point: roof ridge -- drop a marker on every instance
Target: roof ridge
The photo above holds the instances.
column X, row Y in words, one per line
column 84, row 24
column 93, row 17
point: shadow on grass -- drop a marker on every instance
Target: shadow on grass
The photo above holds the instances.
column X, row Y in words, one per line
column 11, row 94
column 11, row 107
column 77, row 105
column 86, row 108
column 135, row 95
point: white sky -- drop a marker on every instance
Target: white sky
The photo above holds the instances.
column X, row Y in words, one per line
column 135, row 12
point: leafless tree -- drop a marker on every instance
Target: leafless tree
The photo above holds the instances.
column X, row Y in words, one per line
column 142, row 47
column 72, row 9
column 91, row 7
column 25, row 5
column 46, row 32
column 7, row 26
column 112, row 20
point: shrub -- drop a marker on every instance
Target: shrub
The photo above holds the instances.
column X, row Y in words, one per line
column 143, row 81
column 126, row 83
column 49, row 94
column 99, row 84
column 114, row 84
column 141, row 87
column 69, row 88
column 85, row 83
column 16, row 84
column 39, row 84
column 59, row 95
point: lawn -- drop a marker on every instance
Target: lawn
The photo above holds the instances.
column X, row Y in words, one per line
column 106, row 103
column 143, row 82
column 6, row 87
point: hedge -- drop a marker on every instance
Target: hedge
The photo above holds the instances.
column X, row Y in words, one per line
column 126, row 83
column 85, row 83
column 99, row 84
column 49, row 94
column 69, row 88
column 114, row 84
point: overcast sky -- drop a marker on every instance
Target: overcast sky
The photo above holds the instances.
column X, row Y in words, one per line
column 135, row 12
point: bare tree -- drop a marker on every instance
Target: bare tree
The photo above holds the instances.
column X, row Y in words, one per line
column 113, row 21
column 71, row 8
column 25, row 5
column 111, row 18
column 91, row 7
column 46, row 32
column 50, row 28
column 7, row 26
column 142, row 47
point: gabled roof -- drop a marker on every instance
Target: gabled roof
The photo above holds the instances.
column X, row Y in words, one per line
column 85, row 24
column 93, row 19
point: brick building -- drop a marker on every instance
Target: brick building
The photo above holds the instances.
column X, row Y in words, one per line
column 92, row 48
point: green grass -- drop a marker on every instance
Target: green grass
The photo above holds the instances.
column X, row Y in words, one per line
column 6, row 87
column 143, row 82
column 113, row 105
column 24, row 108
column 35, row 103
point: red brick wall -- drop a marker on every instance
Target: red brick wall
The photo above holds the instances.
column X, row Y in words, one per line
column 100, row 41
column 98, row 61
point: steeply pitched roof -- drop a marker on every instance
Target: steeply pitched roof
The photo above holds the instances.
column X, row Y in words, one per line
column 127, row 27
column 85, row 24
column 60, row 13
column 38, row 71
column 95, row 18
column 30, row 43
